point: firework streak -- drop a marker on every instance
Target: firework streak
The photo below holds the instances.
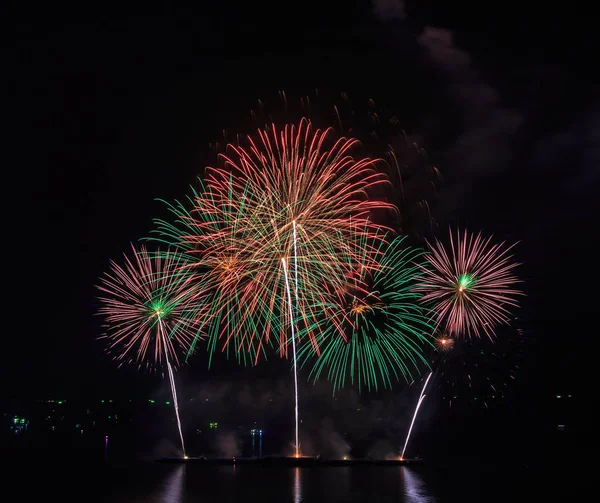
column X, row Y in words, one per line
column 421, row 398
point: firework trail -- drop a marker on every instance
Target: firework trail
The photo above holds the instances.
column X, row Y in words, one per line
column 470, row 288
column 421, row 398
column 172, row 384
column 148, row 312
column 294, row 356
column 373, row 330
column 289, row 295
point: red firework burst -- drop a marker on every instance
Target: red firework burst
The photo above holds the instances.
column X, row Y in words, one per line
column 297, row 193
column 146, row 304
column 469, row 287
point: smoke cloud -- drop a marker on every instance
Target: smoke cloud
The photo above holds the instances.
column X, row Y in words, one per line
column 228, row 444
column 344, row 425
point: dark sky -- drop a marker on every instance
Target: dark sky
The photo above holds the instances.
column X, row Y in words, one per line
column 110, row 107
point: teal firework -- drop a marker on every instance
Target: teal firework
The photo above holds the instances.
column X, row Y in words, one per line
column 373, row 332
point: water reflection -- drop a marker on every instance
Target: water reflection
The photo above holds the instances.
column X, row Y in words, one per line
column 297, row 486
column 173, row 486
column 413, row 487
column 231, row 484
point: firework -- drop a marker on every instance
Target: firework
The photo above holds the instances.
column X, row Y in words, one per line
column 296, row 194
column 149, row 287
column 471, row 287
column 373, row 330
column 403, row 159
column 317, row 194
column 148, row 313
column 285, row 204
column 444, row 343
column 217, row 236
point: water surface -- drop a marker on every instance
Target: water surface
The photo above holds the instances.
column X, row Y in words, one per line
column 168, row 483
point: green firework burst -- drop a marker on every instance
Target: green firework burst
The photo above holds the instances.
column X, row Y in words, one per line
column 373, row 332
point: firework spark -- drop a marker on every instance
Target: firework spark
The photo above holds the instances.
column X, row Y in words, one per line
column 479, row 371
column 444, row 343
column 471, row 287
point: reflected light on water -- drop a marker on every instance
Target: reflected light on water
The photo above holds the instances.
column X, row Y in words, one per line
column 413, row 487
column 173, row 485
column 297, row 486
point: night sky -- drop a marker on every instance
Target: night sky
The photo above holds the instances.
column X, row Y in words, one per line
column 110, row 107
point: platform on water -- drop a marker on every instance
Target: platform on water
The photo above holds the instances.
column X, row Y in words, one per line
column 293, row 461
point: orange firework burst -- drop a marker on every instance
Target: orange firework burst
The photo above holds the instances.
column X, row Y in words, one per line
column 444, row 343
